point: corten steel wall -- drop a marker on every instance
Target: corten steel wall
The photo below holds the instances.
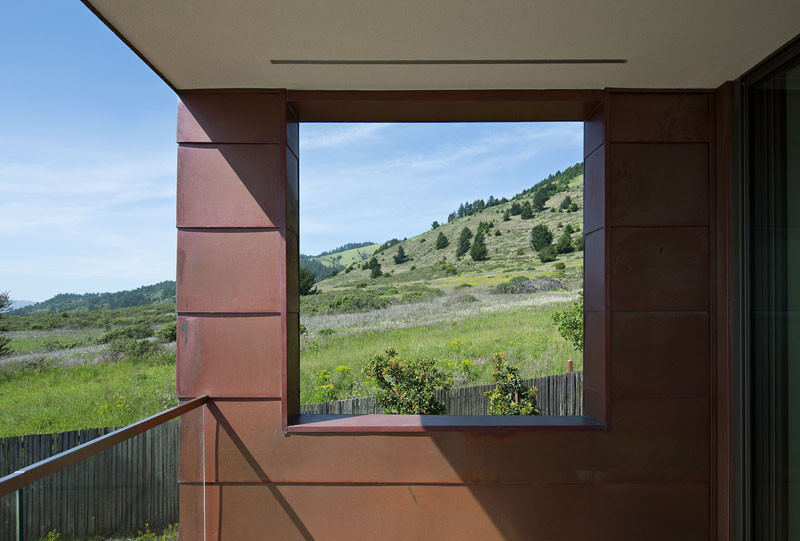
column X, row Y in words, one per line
column 649, row 248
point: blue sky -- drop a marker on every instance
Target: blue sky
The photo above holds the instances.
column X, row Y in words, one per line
column 88, row 159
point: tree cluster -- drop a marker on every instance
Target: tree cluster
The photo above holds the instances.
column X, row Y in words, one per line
column 5, row 342
column 374, row 267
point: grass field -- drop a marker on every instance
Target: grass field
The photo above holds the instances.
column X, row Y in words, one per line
column 55, row 398
column 525, row 333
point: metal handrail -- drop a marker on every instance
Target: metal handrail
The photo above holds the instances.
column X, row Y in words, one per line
column 30, row 474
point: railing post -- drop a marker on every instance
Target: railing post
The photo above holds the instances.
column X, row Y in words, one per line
column 20, row 510
column 569, row 366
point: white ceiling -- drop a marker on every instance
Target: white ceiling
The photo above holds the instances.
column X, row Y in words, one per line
column 667, row 43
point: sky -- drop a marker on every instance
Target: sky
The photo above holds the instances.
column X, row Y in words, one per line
column 88, row 163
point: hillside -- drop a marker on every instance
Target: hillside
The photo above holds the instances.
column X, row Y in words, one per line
column 509, row 252
column 73, row 302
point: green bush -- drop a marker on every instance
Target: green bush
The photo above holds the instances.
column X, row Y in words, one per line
column 441, row 241
column 540, row 237
column 510, row 396
column 134, row 332
column 547, row 254
column 560, row 266
column 168, row 333
column 570, row 323
column 407, row 387
column 134, row 349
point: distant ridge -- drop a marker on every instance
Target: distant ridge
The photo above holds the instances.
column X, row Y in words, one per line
column 20, row 304
column 73, row 302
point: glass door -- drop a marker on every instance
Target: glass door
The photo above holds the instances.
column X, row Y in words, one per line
column 772, row 172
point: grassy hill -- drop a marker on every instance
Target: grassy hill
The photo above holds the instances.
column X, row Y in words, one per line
column 510, row 252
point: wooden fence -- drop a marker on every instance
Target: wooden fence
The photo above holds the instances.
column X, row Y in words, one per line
column 561, row 394
column 116, row 491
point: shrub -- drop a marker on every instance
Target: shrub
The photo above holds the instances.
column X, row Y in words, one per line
column 510, row 396
column 565, row 203
column 338, row 384
column 407, row 387
column 560, row 266
column 520, row 251
column 541, row 237
column 579, row 243
column 547, row 254
column 5, row 342
column 303, row 329
column 516, row 208
column 506, row 216
column 133, row 332
column 135, row 349
column 361, row 285
column 168, row 333
column 564, row 244
column 497, row 233
column 570, row 323
column 522, row 284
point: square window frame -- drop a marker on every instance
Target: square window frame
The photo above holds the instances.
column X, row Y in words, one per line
column 587, row 106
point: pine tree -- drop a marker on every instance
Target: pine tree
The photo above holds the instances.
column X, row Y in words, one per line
column 435, row 224
column 400, row 256
column 506, row 216
column 307, row 282
column 478, row 251
column 463, row 242
column 515, row 208
column 441, row 241
column 527, row 211
column 565, row 203
column 541, row 237
column 564, row 244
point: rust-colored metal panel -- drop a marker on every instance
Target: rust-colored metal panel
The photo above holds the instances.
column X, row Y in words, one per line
column 660, row 354
column 485, row 512
column 659, row 269
column 229, row 271
column 659, row 185
column 594, row 261
column 658, row 117
column 229, row 356
column 593, row 131
column 443, row 105
column 594, row 191
column 231, row 117
column 230, row 186
column 595, row 365
column 199, row 512
column 661, row 440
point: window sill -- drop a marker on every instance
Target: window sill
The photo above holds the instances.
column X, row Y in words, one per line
column 402, row 424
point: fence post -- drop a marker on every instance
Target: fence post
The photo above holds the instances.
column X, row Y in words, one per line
column 20, row 510
column 569, row 366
